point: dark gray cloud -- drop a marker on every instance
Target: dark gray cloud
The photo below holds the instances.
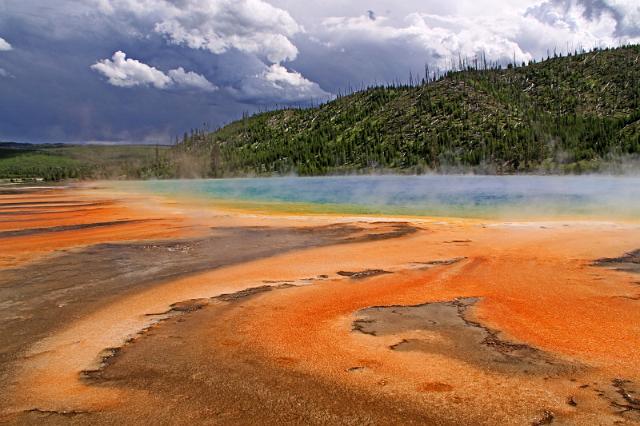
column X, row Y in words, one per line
column 57, row 96
column 189, row 62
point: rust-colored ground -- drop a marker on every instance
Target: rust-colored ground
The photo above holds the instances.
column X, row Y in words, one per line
column 197, row 315
column 50, row 213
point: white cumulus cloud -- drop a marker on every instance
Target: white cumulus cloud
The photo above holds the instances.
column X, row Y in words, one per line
column 281, row 77
column 525, row 33
column 250, row 26
column 590, row 23
column 123, row 72
column 191, row 79
column 5, row 74
column 126, row 72
column 278, row 84
column 441, row 38
column 4, row 45
column 628, row 12
column 622, row 17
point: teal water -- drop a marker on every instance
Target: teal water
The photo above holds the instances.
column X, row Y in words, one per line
column 463, row 196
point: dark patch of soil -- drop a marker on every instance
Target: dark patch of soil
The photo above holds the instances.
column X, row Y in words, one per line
column 216, row 381
column 623, row 397
column 46, row 413
column 47, row 207
column 22, row 190
column 546, row 419
column 386, row 230
column 362, row 274
column 38, row 298
column 243, row 294
column 628, row 400
column 55, row 203
column 108, row 356
column 629, row 262
column 460, row 337
column 35, row 231
column 446, row 262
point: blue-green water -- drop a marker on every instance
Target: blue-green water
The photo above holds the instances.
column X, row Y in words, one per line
column 465, row 196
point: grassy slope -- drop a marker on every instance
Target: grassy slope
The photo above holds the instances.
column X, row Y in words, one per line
column 55, row 162
column 563, row 114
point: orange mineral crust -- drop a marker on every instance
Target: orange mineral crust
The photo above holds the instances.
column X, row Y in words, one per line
column 542, row 297
column 35, row 225
column 312, row 319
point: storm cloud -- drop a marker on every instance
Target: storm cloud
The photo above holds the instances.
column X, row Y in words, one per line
column 190, row 62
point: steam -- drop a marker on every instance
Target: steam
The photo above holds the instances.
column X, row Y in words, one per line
column 509, row 197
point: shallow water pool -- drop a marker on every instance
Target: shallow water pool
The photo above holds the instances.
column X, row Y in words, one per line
column 463, row 196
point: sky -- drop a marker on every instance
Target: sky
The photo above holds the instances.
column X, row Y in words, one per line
column 145, row 71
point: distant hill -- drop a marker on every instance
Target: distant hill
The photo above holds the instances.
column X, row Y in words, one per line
column 573, row 114
column 564, row 114
column 52, row 162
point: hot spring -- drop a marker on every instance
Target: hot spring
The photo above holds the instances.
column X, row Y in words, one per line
column 516, row 197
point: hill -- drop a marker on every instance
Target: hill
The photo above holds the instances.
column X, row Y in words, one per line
column 565, row 114
column 51, row 162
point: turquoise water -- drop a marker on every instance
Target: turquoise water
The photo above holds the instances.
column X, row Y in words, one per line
column 464, row 196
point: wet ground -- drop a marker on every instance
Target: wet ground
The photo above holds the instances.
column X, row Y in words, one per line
column 117, row 308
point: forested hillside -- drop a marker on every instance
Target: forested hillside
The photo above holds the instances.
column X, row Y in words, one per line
column 564, row 114
column 53, row 162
